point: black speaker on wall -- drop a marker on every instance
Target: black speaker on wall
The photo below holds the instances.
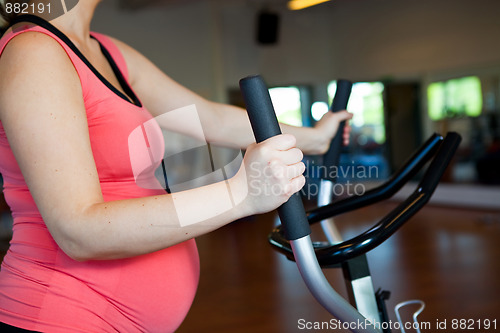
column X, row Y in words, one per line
column 267, row 28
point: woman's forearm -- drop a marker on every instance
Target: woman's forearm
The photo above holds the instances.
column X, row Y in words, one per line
column 270, row 173
column 231, row 126
column 126, row 228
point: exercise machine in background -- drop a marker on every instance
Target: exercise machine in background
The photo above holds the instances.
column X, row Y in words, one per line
column 293, row 237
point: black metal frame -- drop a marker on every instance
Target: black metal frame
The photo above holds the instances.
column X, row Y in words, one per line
column 294, row 238
column 332, row 255
column 351, row 255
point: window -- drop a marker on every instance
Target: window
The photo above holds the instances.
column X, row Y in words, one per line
column 366, row 151
column 287, row 105
column 367, row 106
column 454, row 98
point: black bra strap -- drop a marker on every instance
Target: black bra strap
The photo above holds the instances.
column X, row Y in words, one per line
column 29, row 18
column 48, row 26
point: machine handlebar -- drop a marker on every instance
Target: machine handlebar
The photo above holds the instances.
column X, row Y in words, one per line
column 292, row 213
column 411, row 167
column 265, row 125
column 295, row 239
column 330, row 255
column 332, row 156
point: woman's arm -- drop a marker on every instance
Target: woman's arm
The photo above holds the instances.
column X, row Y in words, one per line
column 42, row 111
column 222, row 124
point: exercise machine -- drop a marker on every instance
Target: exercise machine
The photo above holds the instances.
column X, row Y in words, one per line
column 366, row 312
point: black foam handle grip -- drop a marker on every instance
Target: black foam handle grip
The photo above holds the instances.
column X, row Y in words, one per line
column 265, row 125
column 332, row 156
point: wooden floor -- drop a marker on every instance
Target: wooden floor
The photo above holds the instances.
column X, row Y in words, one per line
column 449, row 258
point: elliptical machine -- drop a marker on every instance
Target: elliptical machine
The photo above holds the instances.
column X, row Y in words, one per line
column 367, row 311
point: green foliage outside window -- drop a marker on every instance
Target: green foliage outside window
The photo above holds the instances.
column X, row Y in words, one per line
column 454, row 98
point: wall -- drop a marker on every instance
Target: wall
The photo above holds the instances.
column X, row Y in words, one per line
column 412, row 38
column 210, row 45
column 177, row 39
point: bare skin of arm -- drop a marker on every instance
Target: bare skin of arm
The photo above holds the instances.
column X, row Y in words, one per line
column 49, row 137
column 222, row 124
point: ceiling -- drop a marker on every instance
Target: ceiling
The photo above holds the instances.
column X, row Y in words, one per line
column 139, row 4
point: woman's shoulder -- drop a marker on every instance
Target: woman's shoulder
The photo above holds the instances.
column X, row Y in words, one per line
column 31, row 57
column 26, row 33
column 25, row 41
column 26, row 47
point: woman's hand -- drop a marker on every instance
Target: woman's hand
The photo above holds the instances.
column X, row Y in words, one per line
column 326, row 128
column 271, row 172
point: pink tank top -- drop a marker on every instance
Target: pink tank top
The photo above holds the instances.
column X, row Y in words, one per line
column 41, row 288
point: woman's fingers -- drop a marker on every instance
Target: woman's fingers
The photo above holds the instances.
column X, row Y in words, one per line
column 273, row 172
column 295, row 185
column 347, row 134
column 342, row 115
column 289, row 157
column 296, row 170
column 286, row 172
column 281, row 142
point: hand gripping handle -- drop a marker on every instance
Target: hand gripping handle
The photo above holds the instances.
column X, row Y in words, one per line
column 292, row 214
column 332, row 156
column 265, row 125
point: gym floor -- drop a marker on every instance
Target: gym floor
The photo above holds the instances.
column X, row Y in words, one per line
column 446, row 257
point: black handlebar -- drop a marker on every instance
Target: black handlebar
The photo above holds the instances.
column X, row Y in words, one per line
column 294, row 237
column 332, row 156
column 265, row 125
column 440, row 163
column 330, row 255
column 292, row 214
column 384, row 191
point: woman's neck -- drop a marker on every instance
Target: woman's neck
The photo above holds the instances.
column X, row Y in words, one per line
column 76, row 22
